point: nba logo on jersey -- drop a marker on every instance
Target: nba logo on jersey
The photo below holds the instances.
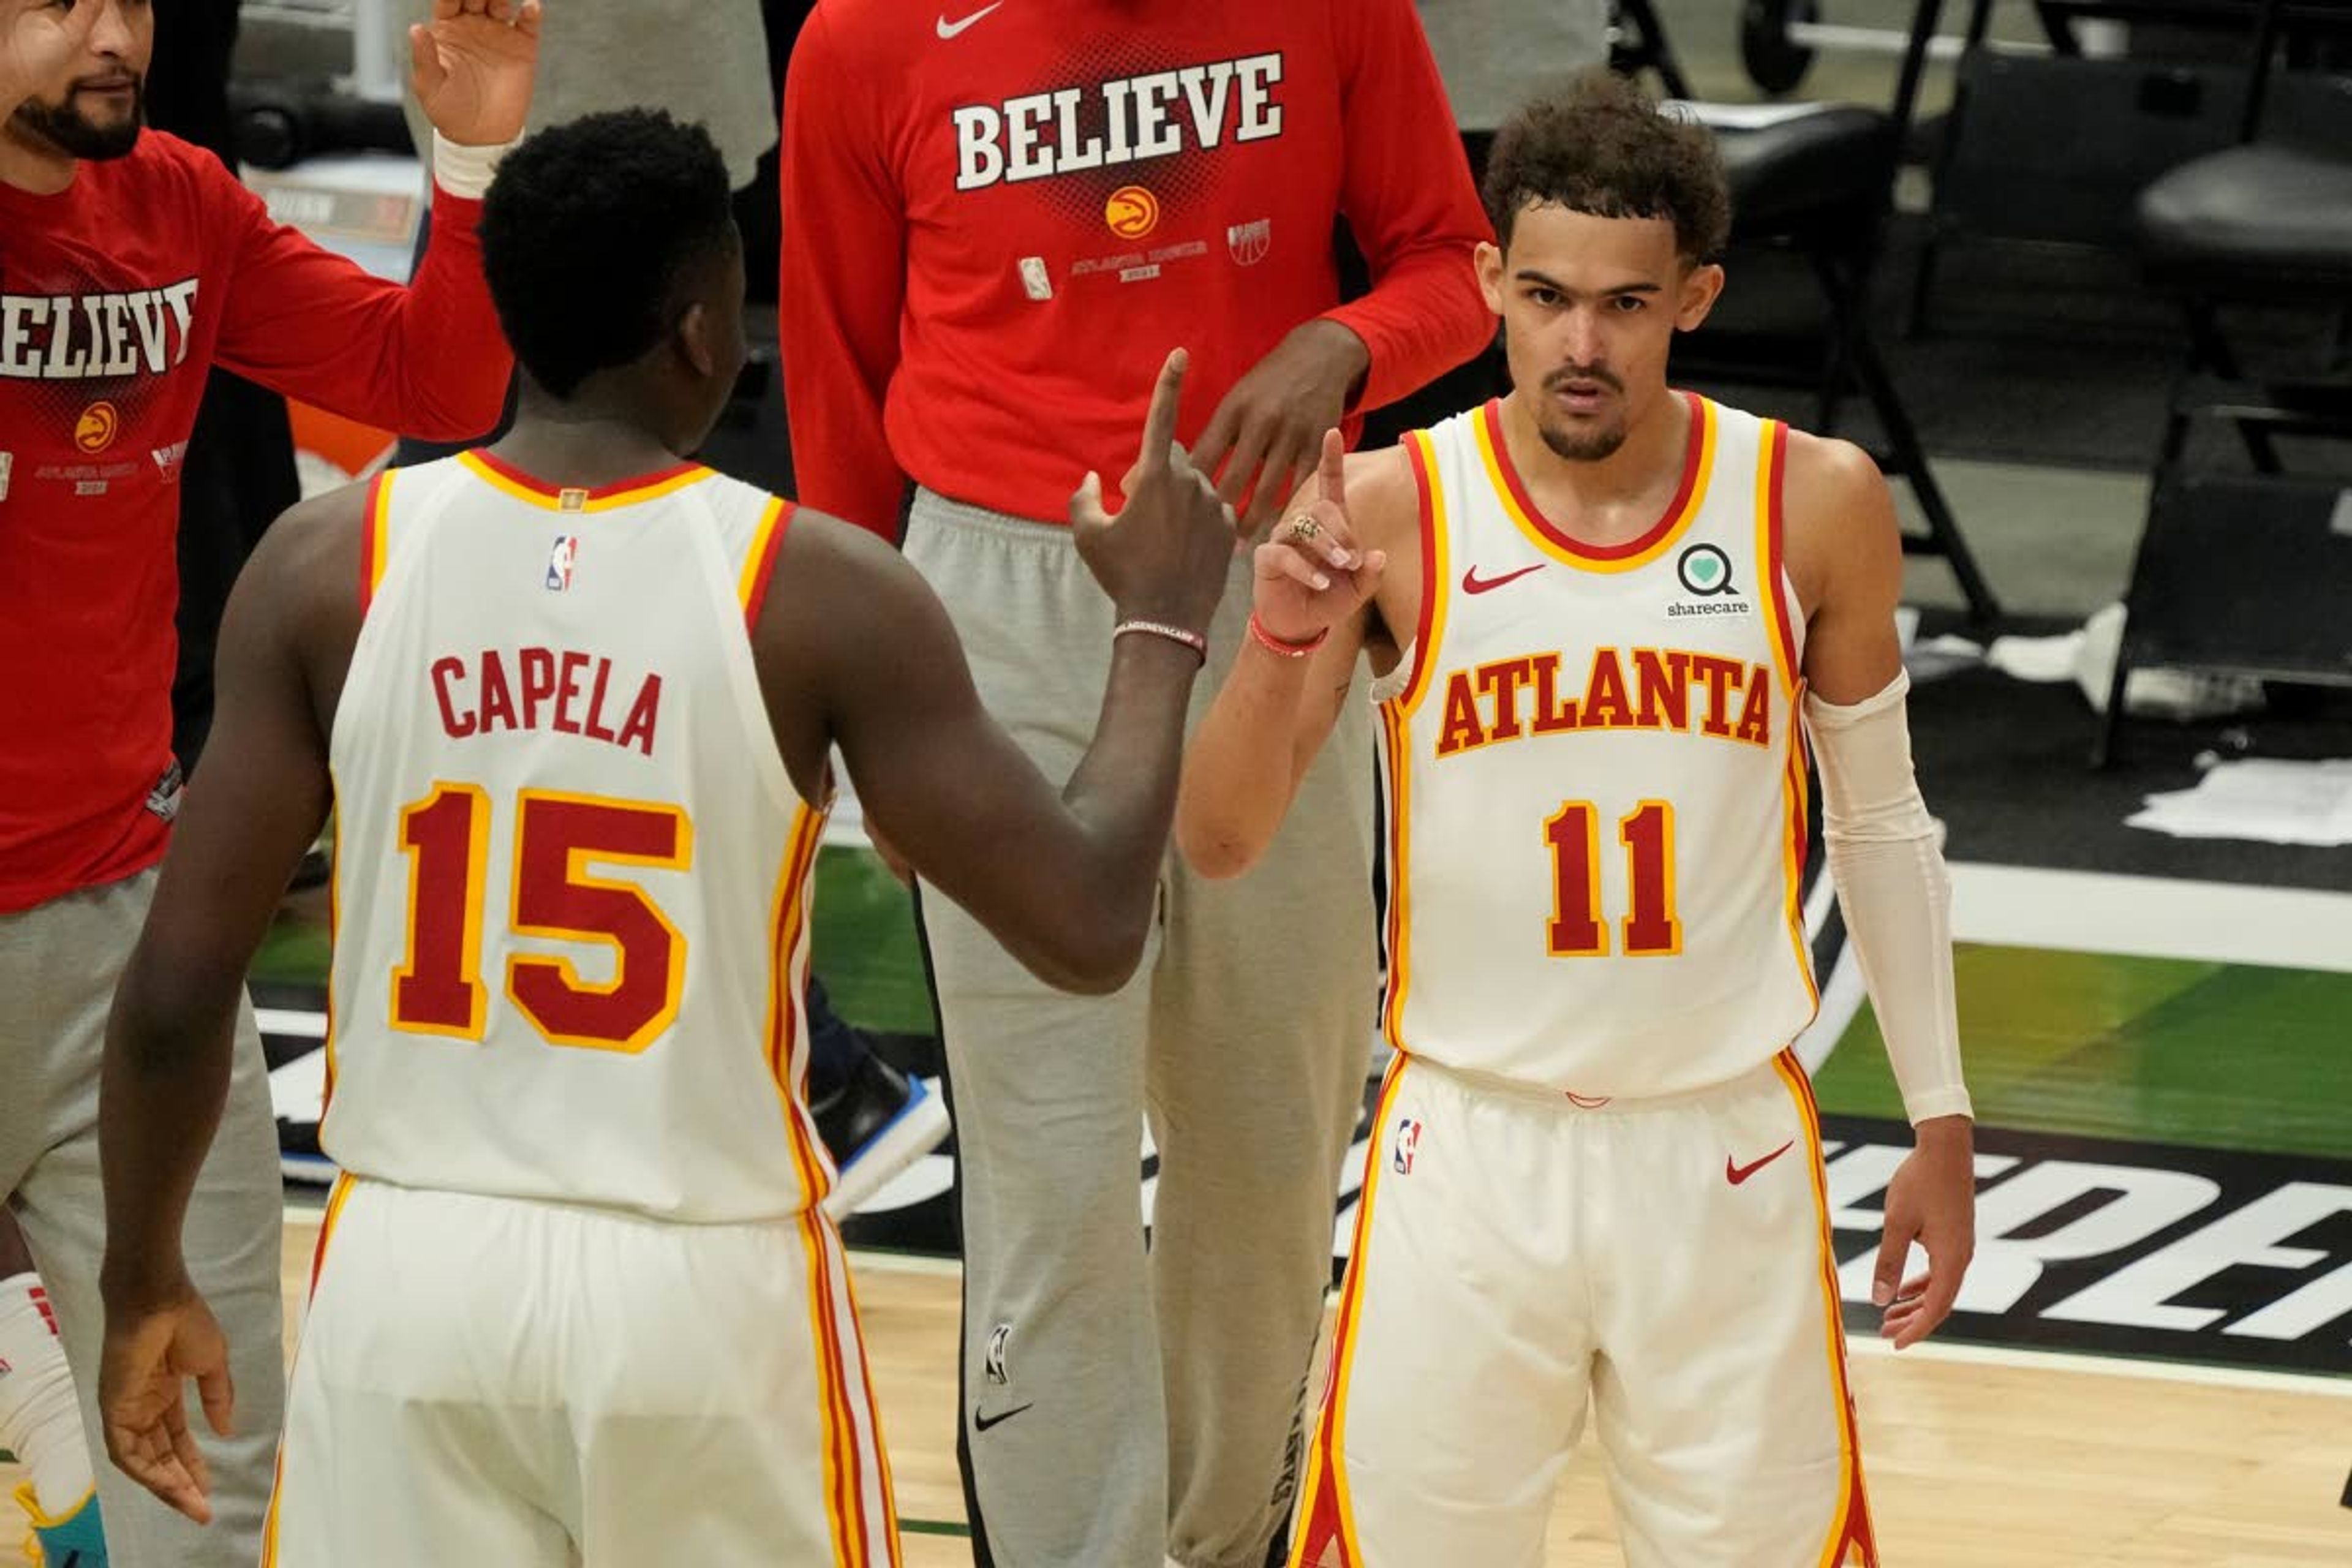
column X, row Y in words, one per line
column 559, row 562
column 1247, row 243
column 1408, row 1141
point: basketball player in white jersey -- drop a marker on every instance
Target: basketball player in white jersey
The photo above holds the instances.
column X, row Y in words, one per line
column 1596, row 609
column 571, row 700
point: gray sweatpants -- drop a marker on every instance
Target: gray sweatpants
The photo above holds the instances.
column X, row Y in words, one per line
column 1118, row 1406
column 59, row 963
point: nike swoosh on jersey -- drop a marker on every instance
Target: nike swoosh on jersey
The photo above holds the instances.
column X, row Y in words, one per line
column 1474, row 584
column 951, row 29
column 1736, row 1174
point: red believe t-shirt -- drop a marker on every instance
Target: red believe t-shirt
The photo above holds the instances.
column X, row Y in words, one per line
column 998, row 220
column 116, row 295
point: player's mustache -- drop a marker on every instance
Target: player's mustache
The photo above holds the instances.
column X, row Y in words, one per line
column 1601, row 373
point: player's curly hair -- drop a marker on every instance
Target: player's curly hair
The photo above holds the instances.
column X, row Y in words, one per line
column 589, row 233
column 1604, row 147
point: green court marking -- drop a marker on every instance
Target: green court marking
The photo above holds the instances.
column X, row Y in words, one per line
column 934, row 1527
column 2166, row 1050
column 865, row 950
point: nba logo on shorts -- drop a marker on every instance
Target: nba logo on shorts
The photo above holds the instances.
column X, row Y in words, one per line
column 559, row 562
column 1408, row 1141
column 997, row 1341
column 1247, row 243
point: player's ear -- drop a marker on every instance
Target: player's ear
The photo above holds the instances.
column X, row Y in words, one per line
column 1701, row 287
column 698, row 339
column 1488, row 260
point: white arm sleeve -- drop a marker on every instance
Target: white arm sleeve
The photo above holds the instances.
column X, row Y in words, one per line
column 1885, row 856
column 464, row 171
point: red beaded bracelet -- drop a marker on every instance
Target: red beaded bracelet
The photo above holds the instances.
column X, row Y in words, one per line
column 1193, row 641
column 1282, row 646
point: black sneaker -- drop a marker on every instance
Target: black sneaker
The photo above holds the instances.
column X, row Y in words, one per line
column 878, row 1122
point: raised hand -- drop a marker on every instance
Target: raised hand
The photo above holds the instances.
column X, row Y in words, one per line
column 1933, row 1201
column 473, row 65
column 1311, row 576
column 39, row 42
column 1164, row 556
column 150, row 1353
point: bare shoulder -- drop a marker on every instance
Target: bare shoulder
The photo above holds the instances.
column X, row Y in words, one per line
column 1839, row 517
column 1829, row 480
column 828, row 561
column 842, row 597
column 310, row 556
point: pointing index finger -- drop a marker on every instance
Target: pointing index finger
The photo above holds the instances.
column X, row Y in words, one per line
column 1160, row 422
column 1333, row 479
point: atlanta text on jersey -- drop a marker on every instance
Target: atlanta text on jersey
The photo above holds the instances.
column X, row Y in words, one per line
column 1482, row 704
column 1039, row 134
column 95, row 337
column 565, row 691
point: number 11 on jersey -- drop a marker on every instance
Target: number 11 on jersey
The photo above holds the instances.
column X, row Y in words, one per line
column 1577, row 928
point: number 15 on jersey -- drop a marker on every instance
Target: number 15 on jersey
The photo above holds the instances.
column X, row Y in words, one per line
column 558, row 837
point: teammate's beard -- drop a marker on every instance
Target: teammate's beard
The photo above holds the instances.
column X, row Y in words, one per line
column 1590, row 446
column 67, row 127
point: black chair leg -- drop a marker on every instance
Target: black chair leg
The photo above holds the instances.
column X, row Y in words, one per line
column 2211, row 349
column 1923, row 283
column 1909, row 457
column 1652, row 50
column 2107, row 750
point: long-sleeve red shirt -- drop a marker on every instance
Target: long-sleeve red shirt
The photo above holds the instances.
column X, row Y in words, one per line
column 998, row 220
column 116, row 296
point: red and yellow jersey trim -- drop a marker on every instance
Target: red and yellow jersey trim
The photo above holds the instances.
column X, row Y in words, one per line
column 1327, row 1507
column 1429, row 628
column 1690, row 495
column 1772, row 531
column 375, row 530
column 1396, row 758
column 336, row 1197
column 1847, row 1539
column 760, row 561
column 844, row 1460
column 506, row 478
column 1781, row 620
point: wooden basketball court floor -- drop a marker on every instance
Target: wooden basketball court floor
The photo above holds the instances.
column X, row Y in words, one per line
column 1975, row 1458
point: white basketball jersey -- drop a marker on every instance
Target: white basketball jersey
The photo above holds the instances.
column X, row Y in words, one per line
column 572, row 876
column 1596, row 797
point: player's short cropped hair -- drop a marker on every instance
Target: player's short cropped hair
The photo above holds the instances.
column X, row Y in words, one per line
column 589, row 235
column 1604, row 147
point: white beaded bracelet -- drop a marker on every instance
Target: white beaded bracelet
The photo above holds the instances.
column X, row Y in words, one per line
column 1193, row 641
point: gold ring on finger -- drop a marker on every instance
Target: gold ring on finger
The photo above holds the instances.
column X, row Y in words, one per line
column 1304, row 527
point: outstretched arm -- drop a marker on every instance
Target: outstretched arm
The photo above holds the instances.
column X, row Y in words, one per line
column 862, row 653
column 253, row 807
column 429, row 359
column 1319, row 599
column 1887, row 858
